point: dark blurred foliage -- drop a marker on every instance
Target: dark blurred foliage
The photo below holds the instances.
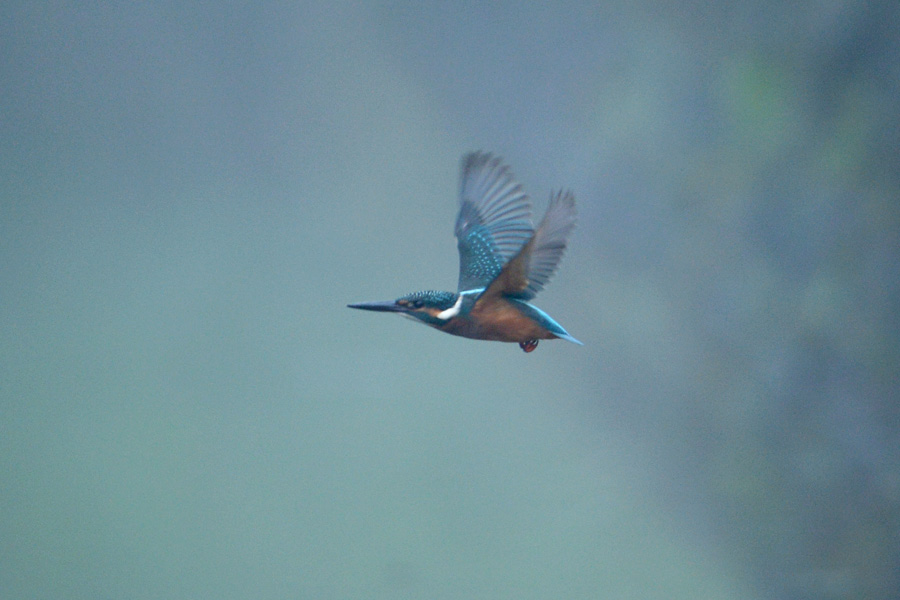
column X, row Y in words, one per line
column 773, row 237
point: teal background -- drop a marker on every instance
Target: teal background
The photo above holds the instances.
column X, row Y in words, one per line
column 192, row 193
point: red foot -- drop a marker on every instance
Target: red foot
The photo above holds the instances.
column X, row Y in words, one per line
column 528, row 346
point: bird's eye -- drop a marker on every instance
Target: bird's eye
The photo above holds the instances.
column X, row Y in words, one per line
column 417, row 304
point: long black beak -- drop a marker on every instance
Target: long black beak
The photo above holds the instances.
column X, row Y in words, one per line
column 387, row 306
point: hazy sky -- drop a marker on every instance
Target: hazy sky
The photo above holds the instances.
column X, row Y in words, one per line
column 192, row 193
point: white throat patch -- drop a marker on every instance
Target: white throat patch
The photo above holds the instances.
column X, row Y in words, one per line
column 446, row 315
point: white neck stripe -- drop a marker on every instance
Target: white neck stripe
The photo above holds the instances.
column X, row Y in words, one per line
column 451, row 312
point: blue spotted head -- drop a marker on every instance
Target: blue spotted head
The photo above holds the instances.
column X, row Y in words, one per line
column 430, row 307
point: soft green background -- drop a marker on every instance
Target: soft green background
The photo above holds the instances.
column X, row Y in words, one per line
column 192, row 192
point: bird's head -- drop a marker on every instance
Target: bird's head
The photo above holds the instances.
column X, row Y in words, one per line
column 430, row 307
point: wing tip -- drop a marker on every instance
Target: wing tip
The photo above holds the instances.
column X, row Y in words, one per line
column 565, row 200
column 478, row 159
column 561, row 216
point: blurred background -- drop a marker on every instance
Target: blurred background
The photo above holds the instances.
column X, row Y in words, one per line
column 192, row 193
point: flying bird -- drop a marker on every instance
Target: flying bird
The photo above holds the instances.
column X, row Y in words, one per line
column 503, row 262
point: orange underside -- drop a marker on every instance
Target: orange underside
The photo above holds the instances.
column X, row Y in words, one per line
column 498, row 321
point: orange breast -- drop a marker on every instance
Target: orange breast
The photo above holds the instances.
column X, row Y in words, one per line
column 497, row 320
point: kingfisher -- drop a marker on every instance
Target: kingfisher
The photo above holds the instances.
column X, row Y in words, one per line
column 503, row 262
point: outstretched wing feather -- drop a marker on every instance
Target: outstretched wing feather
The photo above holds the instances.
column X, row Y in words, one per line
column 526, row 273
column 494, row 219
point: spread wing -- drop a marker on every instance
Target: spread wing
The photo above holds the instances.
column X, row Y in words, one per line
column 532, row 267
column 494, row 220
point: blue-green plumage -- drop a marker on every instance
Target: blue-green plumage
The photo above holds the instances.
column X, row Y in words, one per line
column 441, row 300
column 503, row 262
